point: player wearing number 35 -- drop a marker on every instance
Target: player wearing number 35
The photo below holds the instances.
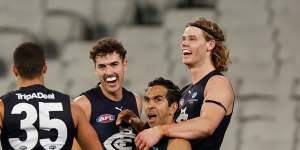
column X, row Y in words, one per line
column 35, row 117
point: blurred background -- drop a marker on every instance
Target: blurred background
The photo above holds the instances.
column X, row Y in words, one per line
column 262, row 36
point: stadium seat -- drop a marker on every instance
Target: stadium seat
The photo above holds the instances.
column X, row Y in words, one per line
column 112, row 14
column 62, row 27
column 10, row 38
column 82, row 8
column 14, row 12
column 146, row 50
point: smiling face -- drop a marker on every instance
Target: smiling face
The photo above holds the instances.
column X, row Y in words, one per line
column 110, row 69
column 157, row 107
column 195, row 49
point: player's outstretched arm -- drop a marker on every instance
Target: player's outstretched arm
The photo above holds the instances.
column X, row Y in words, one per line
column 86, row 135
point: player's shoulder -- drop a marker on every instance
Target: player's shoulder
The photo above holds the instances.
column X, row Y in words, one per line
column 81, row 99
column 219, row 81
column 219, row 78
column 177, row 143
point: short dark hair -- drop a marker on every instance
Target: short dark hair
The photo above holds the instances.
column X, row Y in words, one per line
column 173, row 92
column 106, row 46
column 29, row 59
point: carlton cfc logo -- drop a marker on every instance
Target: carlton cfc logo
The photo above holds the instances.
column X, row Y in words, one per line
column 105, row 118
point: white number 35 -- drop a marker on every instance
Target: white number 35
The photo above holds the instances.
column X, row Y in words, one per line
column 45, row 123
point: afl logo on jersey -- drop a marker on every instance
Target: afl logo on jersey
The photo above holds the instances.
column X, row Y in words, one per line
column 105, row 118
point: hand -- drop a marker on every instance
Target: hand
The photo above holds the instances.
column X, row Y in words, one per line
column 130, row 117
column 148, row 138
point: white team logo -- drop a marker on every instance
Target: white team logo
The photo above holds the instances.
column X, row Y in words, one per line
column 120, row 109
column 124, row 140
column 194, row 95
column 183, row 115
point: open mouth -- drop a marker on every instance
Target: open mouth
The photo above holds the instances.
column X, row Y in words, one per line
column 186, row 52
column 151, row 118
column 111, row 80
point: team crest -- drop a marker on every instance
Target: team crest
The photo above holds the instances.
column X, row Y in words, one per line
column 123, row 140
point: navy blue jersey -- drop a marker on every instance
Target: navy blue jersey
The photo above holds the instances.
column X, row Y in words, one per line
column 190, row 105
column 104, row 113
column 37, row 118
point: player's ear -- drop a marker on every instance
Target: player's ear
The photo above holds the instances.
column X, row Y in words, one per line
column 15, row 70
column 45, row 68
column 125, row 64
column 211, row 45
column 173, row 108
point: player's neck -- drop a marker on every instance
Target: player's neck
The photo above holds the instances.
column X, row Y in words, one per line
column 170, row 120
column 28, row 82
column 199, row 72
column 114, row 96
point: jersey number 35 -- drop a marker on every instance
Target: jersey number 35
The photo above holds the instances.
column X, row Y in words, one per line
column 45, row 123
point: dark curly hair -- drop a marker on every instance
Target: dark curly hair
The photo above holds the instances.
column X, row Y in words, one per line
column 106, row 46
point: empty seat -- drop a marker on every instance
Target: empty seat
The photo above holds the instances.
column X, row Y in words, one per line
column 152, row 11
column 77, row 51
column 196, row 3
column 263, row 135
column 3, row 68
column 146, row 50
column 10, row 39
column 179, row 73
column 14, row 12
column 62, row 27
column 242, row 5
column 114, row 13
column 78, row 65
column 176, row 20
column 82, row 8
column 55, row 77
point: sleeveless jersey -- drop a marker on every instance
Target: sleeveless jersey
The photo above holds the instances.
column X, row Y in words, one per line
column 190, row 105
column 37, row 118
column 104, row 113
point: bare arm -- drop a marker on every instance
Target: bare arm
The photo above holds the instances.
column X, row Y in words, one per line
column 1, row 113
column 175, row 144
column 85, row 105
column 86, row 135
column 139, row 104
column 218, row 89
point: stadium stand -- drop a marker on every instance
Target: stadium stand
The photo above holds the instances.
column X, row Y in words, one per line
column 262, row 37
